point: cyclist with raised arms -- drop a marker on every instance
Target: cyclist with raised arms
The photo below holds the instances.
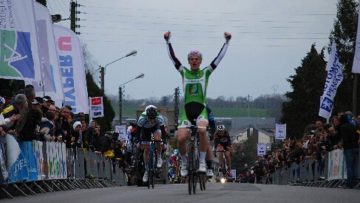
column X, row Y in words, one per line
column 150, row 122
column 195, row 81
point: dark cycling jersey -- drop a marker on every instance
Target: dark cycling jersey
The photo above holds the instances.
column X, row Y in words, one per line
column 223, row 140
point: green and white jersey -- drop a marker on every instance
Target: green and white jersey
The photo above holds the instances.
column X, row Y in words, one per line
column 195, row 82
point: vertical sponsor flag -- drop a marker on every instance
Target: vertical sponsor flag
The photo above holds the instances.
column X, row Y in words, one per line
column 280, row 131
column 333, row 79
column 96, row 107
column 261, row 149
column 72, row 69
column 19, row 57
column 356, row 63
column 50, row 83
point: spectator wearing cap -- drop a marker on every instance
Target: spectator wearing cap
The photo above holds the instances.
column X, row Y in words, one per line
column 26, row 120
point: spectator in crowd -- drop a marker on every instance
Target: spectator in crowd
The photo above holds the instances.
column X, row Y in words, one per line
column 29, row 92
column 76, row 135
column 26, row 120
column 347, row 132
column 101, row 142
column 85, row 134
column 66, row 121
column 47, row 125
column 332, row 138
column 91, row 134
column 2, row 105
column 47, row 101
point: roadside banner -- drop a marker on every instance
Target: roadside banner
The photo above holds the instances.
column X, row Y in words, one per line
column 19, row 58
column 261, row 149
column 96, row 107
column 50, row 83
column 280, row 131
column 121, row 129
column 72, row 69
column 333, row 79
column 336, row 165
column 17, row 165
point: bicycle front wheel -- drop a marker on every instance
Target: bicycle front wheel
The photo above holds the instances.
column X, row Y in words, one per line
column 194, row 181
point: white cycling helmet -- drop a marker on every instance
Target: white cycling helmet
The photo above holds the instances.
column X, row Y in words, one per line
column 220, row 127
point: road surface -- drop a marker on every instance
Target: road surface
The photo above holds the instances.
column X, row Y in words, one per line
column 216, row 192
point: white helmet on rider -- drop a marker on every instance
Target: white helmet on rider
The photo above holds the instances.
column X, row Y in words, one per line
column 220, row 128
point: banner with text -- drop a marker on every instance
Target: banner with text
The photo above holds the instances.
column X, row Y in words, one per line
column 121, row 129
column 280, row 131
column 336, row 165
column 17, row 165
column 333, row 79
column 96, row 107
column 50, row 83
column 261, row 149
column 72, row 69
column 3, row 170
column 19, row 57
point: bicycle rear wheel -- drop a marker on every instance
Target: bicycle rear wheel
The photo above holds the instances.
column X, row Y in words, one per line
column 202, row 181
column 151, row 169
column 151, row 179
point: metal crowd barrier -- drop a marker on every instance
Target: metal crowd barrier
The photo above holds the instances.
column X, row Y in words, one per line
column 329, row 172
column 32, row 167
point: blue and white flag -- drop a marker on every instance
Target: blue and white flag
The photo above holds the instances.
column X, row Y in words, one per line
column 51, row 81
column 261, row 149
column 333, row 80
column 280, row 131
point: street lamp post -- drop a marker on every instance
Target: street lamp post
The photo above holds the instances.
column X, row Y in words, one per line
column 102, row 69
column 121, row 95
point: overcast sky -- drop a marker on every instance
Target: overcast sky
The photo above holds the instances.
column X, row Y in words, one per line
column 270, row 37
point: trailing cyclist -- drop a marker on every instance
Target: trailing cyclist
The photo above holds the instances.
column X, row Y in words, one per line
column 195, row 81
column 223, row 145
column 150, row 122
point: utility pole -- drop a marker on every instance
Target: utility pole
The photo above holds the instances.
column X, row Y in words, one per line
column 176, row 106
column 248, row 106
column 355, row 91
column 120, row 104
column 102, row 82
column 73, row 16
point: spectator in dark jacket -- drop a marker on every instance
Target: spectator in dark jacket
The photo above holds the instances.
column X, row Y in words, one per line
column 347, row 132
